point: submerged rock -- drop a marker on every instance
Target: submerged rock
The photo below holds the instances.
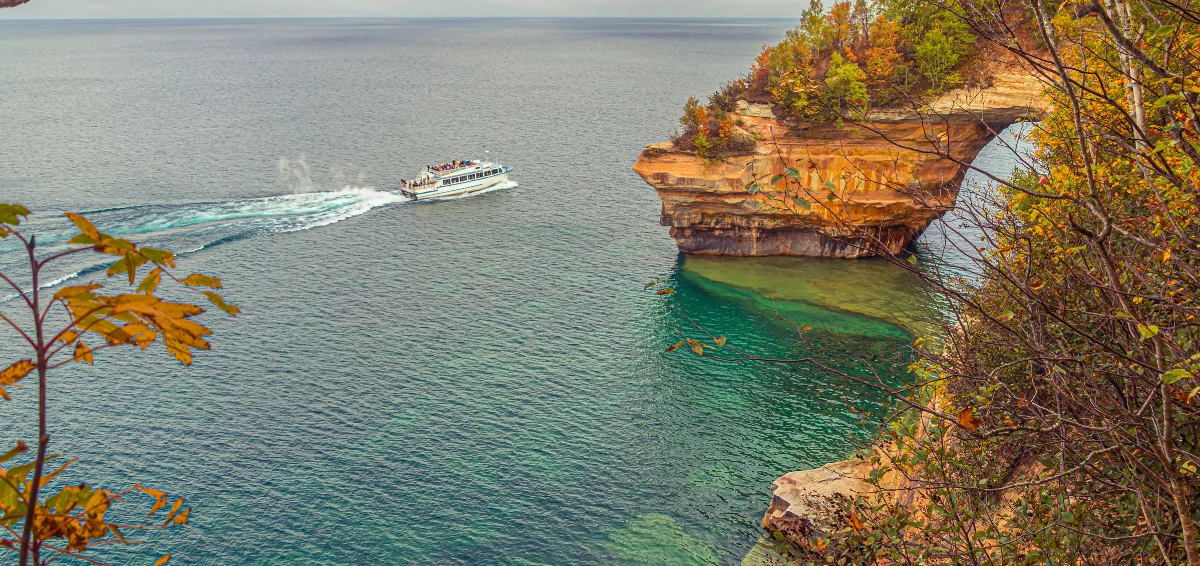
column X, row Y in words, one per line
column 658, row 539
column 868, row 189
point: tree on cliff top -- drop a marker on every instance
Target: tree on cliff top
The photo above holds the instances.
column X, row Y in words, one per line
column 57, row 328
column 910, row 52
column 1057, row 419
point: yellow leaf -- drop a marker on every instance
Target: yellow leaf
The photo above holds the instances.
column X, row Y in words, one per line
column 220, row 303
column 675, row 347
column 13, row 374
column 163, row 560
column 158, row 504
column 182, row 519
column 84, row 225
column 201, row 280
column 117, row 533
column 83, row 354
column 46, row 478
column 1166, row 256
column 20, row 449
column 75, row 291
column 966, row 418
column 150, row 283
column 16, row 372
column 151, row 491
column 69, row 336
column 174, row 510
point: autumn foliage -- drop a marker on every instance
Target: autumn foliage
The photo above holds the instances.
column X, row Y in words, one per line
column 839, row 63
column 1056, row 419
column 72, row 326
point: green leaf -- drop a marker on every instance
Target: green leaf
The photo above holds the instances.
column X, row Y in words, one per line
column 792, row 172
column 1147, row 332
column 802, row 203
column 9, row 214
column 1007, row 316
column 1176, row 375
column 83, row 239
column 150, row 283
column 720, row 341
column 158, row 256
column 1162, row 30
column 1164, row 100
column 776, row 179
column 753, row 188
column 831, row 197
column 829, row 185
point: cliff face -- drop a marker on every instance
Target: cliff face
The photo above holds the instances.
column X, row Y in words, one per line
column 867, row 190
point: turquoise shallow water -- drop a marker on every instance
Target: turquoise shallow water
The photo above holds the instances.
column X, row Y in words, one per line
column 474, row 381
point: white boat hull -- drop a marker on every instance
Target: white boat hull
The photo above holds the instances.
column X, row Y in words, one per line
column 456, row 189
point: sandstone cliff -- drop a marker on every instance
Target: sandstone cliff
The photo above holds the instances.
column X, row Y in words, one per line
column 867, row 189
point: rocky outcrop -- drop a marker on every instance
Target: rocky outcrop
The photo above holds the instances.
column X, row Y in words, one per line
column 803, row 504
column 863, row 189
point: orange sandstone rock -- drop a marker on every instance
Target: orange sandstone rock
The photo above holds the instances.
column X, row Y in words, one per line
column 867, row 188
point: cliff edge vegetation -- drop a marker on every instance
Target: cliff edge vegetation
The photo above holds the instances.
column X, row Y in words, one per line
column 1056, row 417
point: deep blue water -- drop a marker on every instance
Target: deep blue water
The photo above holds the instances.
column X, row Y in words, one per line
column 477, row 381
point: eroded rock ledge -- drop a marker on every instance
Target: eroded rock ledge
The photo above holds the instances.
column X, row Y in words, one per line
column 888, row 182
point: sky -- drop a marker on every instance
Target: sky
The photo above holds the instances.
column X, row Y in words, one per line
column 404, row 8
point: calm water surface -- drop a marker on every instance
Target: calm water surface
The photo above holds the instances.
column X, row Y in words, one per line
column 479, row 380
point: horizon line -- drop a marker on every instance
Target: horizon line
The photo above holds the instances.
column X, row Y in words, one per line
column 383, row 17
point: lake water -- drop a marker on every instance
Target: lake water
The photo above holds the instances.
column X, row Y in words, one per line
column 473, row 381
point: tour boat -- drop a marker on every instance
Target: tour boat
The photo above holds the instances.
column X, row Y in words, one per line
column 454, row 178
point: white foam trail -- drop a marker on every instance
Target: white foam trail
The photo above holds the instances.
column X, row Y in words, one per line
column 47, row 285
column 60, row 280
column 367, row 199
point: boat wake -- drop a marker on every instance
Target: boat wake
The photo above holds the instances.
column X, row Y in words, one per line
column 189, row 228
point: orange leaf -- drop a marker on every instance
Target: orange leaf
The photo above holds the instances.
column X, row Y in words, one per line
column 675, row 347
column 856, row 523
column 163, row 560
column 966, row 418
column 83, row 354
